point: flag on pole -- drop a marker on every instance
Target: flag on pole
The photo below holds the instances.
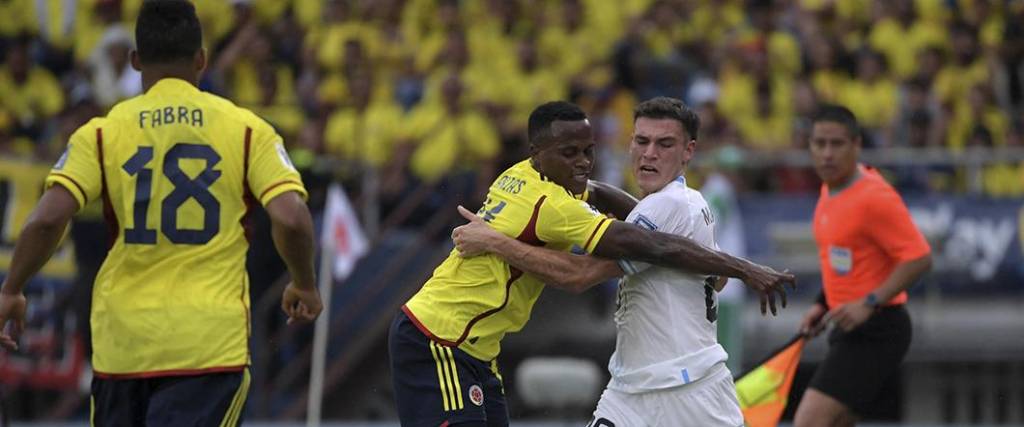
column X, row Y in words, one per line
column 342, row 233
column 342, row 243
column 763, row 391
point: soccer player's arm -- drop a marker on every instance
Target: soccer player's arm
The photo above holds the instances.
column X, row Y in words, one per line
column 659, row 212
column 74, row 180
column 278, row 187
column 624, row 240
column 561, row 270
column 892, row 228
column 610, row 199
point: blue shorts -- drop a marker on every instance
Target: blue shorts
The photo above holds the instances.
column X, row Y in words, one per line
column 198, row 400
column 442, row 386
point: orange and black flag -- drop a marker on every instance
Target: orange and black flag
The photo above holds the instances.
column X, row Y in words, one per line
column 763, row 391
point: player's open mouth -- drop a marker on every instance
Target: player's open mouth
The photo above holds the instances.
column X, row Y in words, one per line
column 581, row 176
column 648, row 169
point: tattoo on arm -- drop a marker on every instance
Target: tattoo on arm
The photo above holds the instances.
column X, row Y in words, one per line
column 626, row 241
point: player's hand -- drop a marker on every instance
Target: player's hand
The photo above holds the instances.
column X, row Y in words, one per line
column 12, row 309
column 814, row 320
column 474, row 238
column 851, row 315
column 768, row 283
column 301, row 304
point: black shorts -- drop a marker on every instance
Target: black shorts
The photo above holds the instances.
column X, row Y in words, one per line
column 198, row 400
column 437, row 385
column 862, row 366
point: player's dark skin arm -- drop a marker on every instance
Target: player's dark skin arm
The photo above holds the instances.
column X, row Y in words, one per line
column 626, row 241
column 608, row 198
column 40, row 237
column 292, row 230
column 576, row 273
column 560, row 270
column 36, row 244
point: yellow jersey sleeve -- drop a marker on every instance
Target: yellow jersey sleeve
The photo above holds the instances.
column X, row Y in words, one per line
column 271, row 172
column 565, row 220
column 78, row 169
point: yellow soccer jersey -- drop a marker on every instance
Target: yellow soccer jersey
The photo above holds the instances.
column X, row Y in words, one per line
column 177, row 170
column 472, row 303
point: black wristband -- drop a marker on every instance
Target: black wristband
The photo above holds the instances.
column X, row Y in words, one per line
column 821, row 299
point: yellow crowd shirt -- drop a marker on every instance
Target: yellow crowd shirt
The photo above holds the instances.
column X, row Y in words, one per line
column 473, row 302
column 177, row 170
column 38, row 97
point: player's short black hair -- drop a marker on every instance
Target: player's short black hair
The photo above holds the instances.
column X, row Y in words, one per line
column 167, row 31
column 541, row 118
column 663, row 107
column 838, row 114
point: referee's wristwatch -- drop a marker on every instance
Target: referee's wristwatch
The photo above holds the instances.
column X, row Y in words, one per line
column 872, row 300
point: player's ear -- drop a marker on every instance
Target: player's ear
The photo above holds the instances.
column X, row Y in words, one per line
column 200, row 60
column 136, row 62
column 689, row 149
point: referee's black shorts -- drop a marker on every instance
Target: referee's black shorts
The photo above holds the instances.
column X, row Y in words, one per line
column 862, row 366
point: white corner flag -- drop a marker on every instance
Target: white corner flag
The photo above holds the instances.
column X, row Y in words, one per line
column 342, row 243
column 342, row 233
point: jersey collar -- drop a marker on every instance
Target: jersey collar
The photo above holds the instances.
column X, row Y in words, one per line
column 172, row 85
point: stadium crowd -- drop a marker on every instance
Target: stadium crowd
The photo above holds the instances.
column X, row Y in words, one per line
column 437, row 91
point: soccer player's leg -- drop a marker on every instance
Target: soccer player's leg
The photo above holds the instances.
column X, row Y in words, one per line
column 493, row 388
column 617, row 409
column 434, row 385
column 118, row 402
column 199, row 400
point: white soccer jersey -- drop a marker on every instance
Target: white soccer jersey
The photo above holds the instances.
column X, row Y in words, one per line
column 666, row 319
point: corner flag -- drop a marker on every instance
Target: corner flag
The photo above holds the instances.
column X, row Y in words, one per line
column 342, row 235
column 763, row 391
column 342, row 243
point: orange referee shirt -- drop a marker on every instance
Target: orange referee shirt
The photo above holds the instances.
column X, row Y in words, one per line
column 862, row 233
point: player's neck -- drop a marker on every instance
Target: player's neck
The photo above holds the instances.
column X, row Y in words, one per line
column 680, row 178
column 153, row 74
